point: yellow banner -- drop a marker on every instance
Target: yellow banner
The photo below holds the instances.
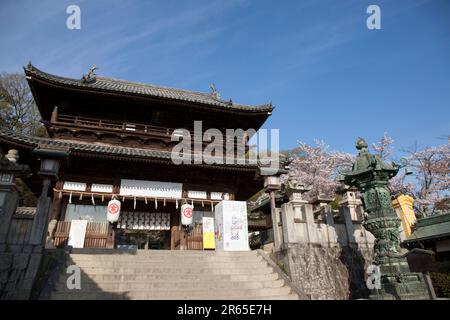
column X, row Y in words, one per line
column 209, row 241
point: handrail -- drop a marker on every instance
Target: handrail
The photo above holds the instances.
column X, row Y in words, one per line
column 110, row 124
column 130, row 127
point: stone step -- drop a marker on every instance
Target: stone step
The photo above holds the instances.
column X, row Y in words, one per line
column 172, row 277
column 140, row 259
column 174, row 294
column 166, row 274
column 190, row 264
column 170, row 286
column 64, row 296
column 257, row 269
column 124, row 252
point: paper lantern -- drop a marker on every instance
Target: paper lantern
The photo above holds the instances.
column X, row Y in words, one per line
column 186, row 214
column 113, row 210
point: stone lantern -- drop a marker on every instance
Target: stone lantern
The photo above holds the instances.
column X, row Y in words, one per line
column 50, row 157
column 370, row 175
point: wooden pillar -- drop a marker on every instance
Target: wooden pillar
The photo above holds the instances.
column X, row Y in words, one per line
column 183, row 238
column 54, row 116
column 56, row 207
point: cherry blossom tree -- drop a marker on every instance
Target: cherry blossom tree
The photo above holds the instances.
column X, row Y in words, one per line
column 429, row 182
column 317, row 166
column 431, row 171
column 384, row 148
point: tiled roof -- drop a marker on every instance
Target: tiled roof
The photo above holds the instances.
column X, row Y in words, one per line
column 432, row 227
column 122, row 86
column 96, row 148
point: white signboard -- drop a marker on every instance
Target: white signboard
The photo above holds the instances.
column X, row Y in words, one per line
column 220, row 196
column 99, row 187
column 231, row 226
column 77, row 233
column 197, row 194
column 75, row 186
column 154, row 189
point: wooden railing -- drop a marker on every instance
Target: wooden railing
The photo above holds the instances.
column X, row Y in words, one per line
column 129, row 127
column 175, row 239
column 195, row 238
column 111, row 125
column 98, row 235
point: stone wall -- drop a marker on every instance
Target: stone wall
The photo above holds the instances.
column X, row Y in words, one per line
column 17, row 274
column 19, row 260
column 327, row 272
column 325, row 252
column 22, row 232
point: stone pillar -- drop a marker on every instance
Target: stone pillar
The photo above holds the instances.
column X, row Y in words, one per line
column 9, row 171
column 41, row 219
column 331, row 231
column 347, row 209
column 277, row 224
column 294, row 217
column 403, row 205
column 351, row 201
column 18, row 263
column 8, row 204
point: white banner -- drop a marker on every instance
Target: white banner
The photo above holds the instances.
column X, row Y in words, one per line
column 75, row 186
column 99, row 187
column 77, row 233
column 197, row 194
column 152, row 189
column 220, row 196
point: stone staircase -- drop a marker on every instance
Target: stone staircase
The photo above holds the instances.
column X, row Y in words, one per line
column 173, row 275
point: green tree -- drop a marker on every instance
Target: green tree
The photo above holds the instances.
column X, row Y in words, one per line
column 18, row 111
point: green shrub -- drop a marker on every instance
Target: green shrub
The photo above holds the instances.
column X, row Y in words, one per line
column 441, row 284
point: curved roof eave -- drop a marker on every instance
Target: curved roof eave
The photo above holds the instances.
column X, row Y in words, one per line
column 102, row 84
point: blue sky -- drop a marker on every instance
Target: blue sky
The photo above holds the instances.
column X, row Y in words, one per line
column 329, row 76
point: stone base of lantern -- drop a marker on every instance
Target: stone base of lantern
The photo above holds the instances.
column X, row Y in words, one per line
column 399, row 283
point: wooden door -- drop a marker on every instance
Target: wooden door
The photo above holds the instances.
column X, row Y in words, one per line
column 187, row 240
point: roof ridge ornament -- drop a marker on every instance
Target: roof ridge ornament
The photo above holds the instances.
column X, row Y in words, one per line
column 90, row 76
column 214, row 92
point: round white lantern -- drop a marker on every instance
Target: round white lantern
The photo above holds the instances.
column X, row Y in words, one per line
column 113, row 210
column 187, row 212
